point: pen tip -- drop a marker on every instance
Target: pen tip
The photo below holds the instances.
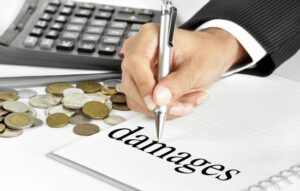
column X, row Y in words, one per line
column 160, row 119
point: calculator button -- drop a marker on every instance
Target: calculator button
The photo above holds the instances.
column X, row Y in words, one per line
column 90, row 38
column 111, row 40
column 56, row 26
column 52, row 34
column 75, row 28
column 55, row 2
column 120, row 25
column 41, row 24
column 86, row 47
column 66, row 45
column 83, row 13
column 108, row 8
column 135, row 27
column 46, row 17
column 70, row 35
column 30, row 41
column 115, row 32
column 106, row 49
column 70, row 4
column 146, row 12
column 89, row 6
column 51, row 9
column 126, row 10
column 103, row 15
column 78, row 20
column 99, row 23
column 131, row 34
column 94, row 30
column 66, row 11
column 133, row 18
column 37, row 32
column 46, row 44
column 61, row 19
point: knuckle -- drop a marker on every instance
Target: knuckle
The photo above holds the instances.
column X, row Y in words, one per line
column 149, row 27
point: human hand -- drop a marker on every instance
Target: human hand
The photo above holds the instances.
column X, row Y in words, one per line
column 199, row 59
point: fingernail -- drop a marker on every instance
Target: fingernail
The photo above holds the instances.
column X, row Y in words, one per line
column 163, row 96
column 188, row 108
column 177, row 110
column 149, row 102
column 202, row 99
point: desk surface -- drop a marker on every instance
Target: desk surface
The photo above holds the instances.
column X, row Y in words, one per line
column 24, row 162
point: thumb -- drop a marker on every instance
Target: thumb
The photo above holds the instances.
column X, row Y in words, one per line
column 175, row 84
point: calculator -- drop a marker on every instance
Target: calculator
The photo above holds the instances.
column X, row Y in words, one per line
column 69, row 34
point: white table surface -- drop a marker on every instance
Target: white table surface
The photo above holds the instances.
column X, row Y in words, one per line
column 24, row 164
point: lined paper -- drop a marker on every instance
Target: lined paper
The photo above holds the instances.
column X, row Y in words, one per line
column 250, row 124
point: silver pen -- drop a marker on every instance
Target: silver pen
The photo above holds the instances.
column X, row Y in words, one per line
column 167, row 26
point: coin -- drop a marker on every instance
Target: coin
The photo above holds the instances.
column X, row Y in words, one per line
column 120, row 107
column 118, row 98
column 57, row 120
column 76, row 100
column 86, row 129
column 59, row 109
column 9, row 133
column 111, row 83
column 2, row 127
column 3, row 112
column 108, row 91
column 79, row 119
column 58, row 88
column 26, row 93
column 69, row 91
column 89, row 87
column 8, row 96
column 32, row 112
column 37, row 123
column 97, row 97
column 114, row 120
column 1, row 119
column 15, row 106
column 108, row 103
column 19, row 120
column 44, row 101
column 118, row 88
column 95, row 110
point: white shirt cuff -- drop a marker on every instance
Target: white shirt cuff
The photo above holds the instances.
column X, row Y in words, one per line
column 250, row 44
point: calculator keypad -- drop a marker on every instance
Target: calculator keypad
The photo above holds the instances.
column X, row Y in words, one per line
column 85, row 27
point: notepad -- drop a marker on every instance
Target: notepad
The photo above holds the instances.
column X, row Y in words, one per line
column 248, row 131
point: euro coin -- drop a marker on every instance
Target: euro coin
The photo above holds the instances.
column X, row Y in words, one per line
column 57, row 88
column 10, row 133
column 79, row 119
column 86, row 129
column 37, row 123
column 26, row 93
column 57, row 120
column 69, row 91
column 97, row 97
column 32, row 112
column 95, row 110
column 108, row 91
column 108, row 103
column 2, row 127
column 114, row 120
column 1, row 119
column 15, row 106
column 118, row 88
column 3, row 112
column 120, row 107
column 118, row 98
column 89, row 86
column 111, row 83
column 44, row 101
column 59, row 109
column 8, row 96
column 76, row 100
column 19, row 121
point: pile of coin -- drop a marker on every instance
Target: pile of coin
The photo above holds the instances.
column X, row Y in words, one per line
column 63, row 104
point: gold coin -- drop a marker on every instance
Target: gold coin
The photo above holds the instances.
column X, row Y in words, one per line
column 89, row 86
column 2, row 128
column 57, row 88
column 120, row 107
column 57, row 120
column 109, row 91
column 86, row 129
column 118, row 98
column 8, row 96
column 19, row 120
column 95, row 110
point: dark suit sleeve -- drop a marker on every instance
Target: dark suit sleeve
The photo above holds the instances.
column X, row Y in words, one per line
column 275, row 24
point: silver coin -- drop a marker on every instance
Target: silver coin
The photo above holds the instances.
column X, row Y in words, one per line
column 37, row 123
column 3, row 112
column 14, row 121
column 108, row 103
column 44, row 101
column 69, row 91
column 118, row 88
column 26, row 93
column 99, row 97
column 15, row 106
column 76, row 100
column 79, row 119
column 32, row 112
column 1, row 119
column 59, row 109
column 9, row 133
column 111, row 83
column 114, row 120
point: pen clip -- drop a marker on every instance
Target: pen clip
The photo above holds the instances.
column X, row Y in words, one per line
column 173, row 15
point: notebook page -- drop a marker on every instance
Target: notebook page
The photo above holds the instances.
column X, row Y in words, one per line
column 248, row 130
